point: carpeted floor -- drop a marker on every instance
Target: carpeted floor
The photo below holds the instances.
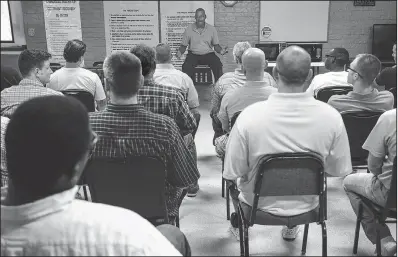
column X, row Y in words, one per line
column 203, row 218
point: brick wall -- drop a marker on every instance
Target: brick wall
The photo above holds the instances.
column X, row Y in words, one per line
column 349, row 26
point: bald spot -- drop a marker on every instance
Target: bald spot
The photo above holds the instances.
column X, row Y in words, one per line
column 293, row 64
column 163, row 53
column 253, row 60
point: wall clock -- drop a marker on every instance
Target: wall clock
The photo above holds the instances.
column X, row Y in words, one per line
column 229, row 3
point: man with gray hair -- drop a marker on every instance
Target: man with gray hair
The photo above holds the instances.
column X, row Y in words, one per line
column 229, row 81
column 267, row 127
column 364, row 97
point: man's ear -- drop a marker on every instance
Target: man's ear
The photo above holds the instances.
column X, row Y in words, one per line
column 205, row 16
column 275, row 73
column 309, row 76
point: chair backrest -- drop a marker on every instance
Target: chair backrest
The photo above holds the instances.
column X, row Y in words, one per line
column 290, row 174
column 394, row 92
column 234, row 117
column 55, row 66
column 83, row 96
column 359, row 124
column 136, row 183
column 325, row 93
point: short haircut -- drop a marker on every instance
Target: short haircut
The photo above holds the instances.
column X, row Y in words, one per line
column 146, row 54
column 45, row 138
column 368, row 66
column 122, row 71
column 200, row 10
column 239, row 49
column 163, row 53
column 342, row 56
column 74, row 49
column 293, row 65
column 31, row 59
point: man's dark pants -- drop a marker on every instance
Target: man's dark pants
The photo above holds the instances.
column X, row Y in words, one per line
column 210, row 59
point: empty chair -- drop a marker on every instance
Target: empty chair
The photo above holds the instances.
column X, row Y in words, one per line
column 83, row 96
column 325, row 93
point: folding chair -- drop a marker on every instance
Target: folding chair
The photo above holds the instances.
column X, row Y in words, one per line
column 85, row 97
column 381, row 213
column 286, row 174
column 325, row 93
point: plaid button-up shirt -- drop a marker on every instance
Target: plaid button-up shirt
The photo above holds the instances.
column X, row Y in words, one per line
column 130, row 130
column 13, row 96
column 168, row 101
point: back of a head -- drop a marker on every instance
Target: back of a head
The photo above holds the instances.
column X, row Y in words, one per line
column 163, row 53
column 239, row 49
column 342, row 56
column 74, row 50
column 146, row 54
column 122, row 72
column 30, row 59
column 253, row 62
column 368, row 66
column 293, row 65
column 45, row 139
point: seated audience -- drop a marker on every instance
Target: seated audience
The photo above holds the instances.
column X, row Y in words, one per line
column 388, row 76
column 267, row 127
column 4, row 174
column 364, row 97
column 254, row 90
column 382, row 146
column 126, row 128
column 229, row 81
column 9, row 77
column 34, row 66
column 39, row 215
column 74, row 76
column 166, row 74
column 165, row 100
column 335, row 62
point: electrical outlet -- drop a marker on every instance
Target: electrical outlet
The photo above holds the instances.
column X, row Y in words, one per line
column 31, row 32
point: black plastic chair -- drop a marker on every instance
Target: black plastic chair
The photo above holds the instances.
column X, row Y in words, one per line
column 381, row 213
column 359, row 124
column 83, row 96
column 286, row 174
column 394, row 92
column 325, row 93
column 136, row 183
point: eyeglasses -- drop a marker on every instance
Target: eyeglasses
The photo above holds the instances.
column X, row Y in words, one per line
column 359, row 74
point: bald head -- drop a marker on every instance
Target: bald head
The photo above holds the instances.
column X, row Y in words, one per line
column 253, row 62
column 163, row 53
column 293, row 66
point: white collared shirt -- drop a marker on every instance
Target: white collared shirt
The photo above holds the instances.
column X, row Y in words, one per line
column 59, row 225
column 328, row 79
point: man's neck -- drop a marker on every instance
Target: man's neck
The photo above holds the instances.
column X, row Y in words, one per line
column 290, row 89
column 34, row 78
column 123, row 101
column 254, row 77
column 72, row 65
column 200, row 26
column 362, row 89
column 337, row 69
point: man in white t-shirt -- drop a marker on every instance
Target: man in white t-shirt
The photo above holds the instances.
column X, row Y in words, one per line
column 73, row 76
column 336, row 61
column 291, row 120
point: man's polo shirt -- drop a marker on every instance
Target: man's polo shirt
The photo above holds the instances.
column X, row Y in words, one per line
column 200, row 43
column 286, row 122
column 374, row 101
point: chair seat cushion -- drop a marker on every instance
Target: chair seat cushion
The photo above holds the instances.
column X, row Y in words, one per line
column 265, row 218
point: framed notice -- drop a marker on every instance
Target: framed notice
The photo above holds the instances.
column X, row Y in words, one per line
column 175, row 17
column 128, row 23
column 62, row 22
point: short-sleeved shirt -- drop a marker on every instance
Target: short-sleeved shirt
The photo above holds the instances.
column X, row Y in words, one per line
column 387, row 78
column 238, row 99
column 166, row 74
column 4, row 174
column 382, row 141
column 200, row 43
column 286, row 122
column 77, row 78
column 374, row 101
column 328, row 79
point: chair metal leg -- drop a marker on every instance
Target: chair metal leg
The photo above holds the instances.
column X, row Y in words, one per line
column 85, row 192
column 378, row 240
column 357, row 228
column 246, row 239
column 304, row 246
column 228, row 205
column 324, row 239
column 240, row 226
column 223, row 187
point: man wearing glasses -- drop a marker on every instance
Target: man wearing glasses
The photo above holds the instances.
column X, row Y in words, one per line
column 335, row 62
column 364, row 97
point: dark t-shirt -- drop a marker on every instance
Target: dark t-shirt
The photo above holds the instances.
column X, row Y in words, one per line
column 387, row 78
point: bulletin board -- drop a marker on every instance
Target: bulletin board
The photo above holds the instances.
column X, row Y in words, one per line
column 294, row 21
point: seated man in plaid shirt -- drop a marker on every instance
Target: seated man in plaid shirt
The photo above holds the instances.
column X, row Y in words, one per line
column 165, row 100
column 126, row 128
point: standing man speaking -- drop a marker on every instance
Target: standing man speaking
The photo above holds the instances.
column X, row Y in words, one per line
column 201, row 38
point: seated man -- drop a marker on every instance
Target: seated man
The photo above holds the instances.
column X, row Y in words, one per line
column 388, row 76
column 166, row 74
column 126, row 128
column 34, row 66
column 74, row 76
column 364, row 97
column 381, row 143
column 165, row 100
column 4, row 174
column 39, row 215
column 335, row 62
column 9, row 77
column 230, row 81
column 268, row 127
column 255, row 89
